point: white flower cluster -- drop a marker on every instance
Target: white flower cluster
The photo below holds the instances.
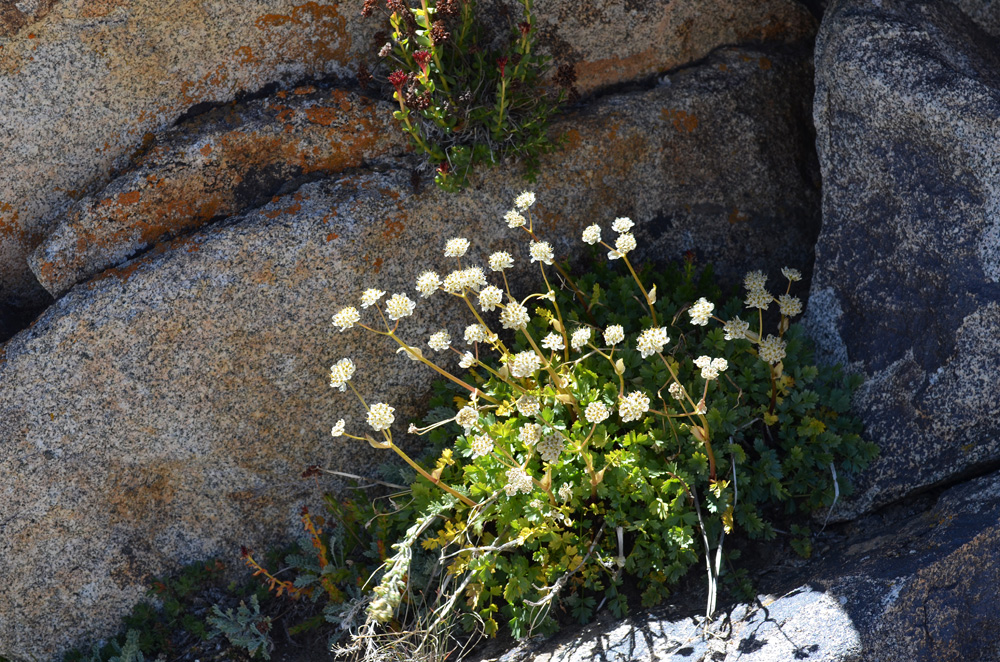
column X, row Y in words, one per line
column 467, row 417
column 524, row 364
column 677, row 392
column 651, row 341
column 528, row 405
column 614, row 334
column 467, row 360
column 633, row 406
column 371, row 296
column 622, row 224
column 427, row 283
column 518, row 481
column 771, row 349
column 456, row 247
column 710, row 368
column 579, row 338
column 475, row 333
column 596, row 412
column 514, row 316
column 439, row 341
column 791, row 274
column 530, row 434
column 347, row 318
column 565, row 492
column 481, row 445
column 789, row 306
column 541, row 251
column 553, row 341
column 736, row 329
column 592, row 234
column 341, row 373
column 514, row 219
column 524, row 200
column 757, row 295
column 471, row 278
column 550, row 448
column 701, row 311
column 338, row 429
column 380, row 416
column 490, row 298
column 501, row 260
column 398, row 306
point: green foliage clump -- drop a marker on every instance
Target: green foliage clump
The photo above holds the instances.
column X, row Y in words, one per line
column 464, row 99
column 246, row 627
column 622, row 426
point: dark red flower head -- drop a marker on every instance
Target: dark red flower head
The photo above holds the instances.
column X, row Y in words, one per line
column 443, row 168
column 397, row 78
column 524, row 27
column 502, row 63
column 422, row 58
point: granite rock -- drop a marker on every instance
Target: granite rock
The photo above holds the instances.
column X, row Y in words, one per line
column 221, row 163
column 85, row 84
column 907, row 282
column 162, row 411
column 986, row 14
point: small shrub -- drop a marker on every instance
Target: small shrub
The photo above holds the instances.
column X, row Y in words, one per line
column 462, row 100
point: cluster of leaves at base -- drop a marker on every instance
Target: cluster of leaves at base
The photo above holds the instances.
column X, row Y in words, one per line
column 331, row 563
column 463, row 100
column 773, row 460
column 176, row 624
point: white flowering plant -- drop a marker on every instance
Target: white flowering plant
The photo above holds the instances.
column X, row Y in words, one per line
column 619, row 426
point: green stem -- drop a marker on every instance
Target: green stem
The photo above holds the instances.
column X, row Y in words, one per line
column 435, row 481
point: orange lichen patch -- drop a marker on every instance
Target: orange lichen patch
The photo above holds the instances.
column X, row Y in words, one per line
column 683, row 121
column 321, row 116
column 736, row 216
column 305, row 89
column 596, row 73
column 198, row 90
column 206, row 150
column 764, row 63
column 330, row 40
column 8, row 222
column 331, row 236
column 245, row 55
column 129, row 198
column 98, row 8
column 393, row 229
column 723, row 66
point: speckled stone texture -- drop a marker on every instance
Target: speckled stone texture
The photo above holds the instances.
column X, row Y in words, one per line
column 734, row 172
column 84, row 83
column 231, row 159
column 907, row 282
column 162, row 412
column 986, row 13
column 915, row 584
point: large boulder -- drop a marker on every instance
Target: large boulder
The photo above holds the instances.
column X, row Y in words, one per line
column 223, row 162
column 914, row 584
column 907, row 282
column 162, row 411
column 84, row 85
